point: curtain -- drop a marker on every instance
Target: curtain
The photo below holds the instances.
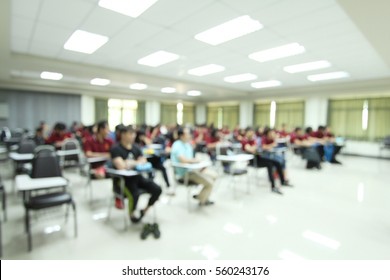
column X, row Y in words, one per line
column 290, row 113
column 140, row 113
column 101, row 109
column 168, row 114
column 212, row 115
column 262, row 114
column 189, row 114
column 230, row 116
column 378, row 118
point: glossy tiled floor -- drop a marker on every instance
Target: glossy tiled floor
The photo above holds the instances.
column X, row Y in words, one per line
column 340, row 212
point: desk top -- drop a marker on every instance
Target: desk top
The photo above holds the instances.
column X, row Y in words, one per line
column 63, row 153
column 192, row 166
column 235, row 158
column 3, row 150
column 123, row 172
column 20, row 157
column 97, row 159
column 26, row 183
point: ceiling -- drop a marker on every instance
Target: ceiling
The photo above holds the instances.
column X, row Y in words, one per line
column 341, row 32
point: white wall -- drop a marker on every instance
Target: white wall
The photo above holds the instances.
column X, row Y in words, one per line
column 152, row 112
column 200, row 114
column 87, row 110
column 363, row 148
column 246, row 113
column 316, row 111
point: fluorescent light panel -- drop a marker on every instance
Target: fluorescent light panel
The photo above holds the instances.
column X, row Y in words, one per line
column 193, row 93
column 131, row 8
column 328, row 76
column 278, row 52
column 100, row 82
column 266, row 84
column 307, row 66
column 240, row 78
column 158, row 58
column 229, row 30
column 206, row 70
column 168, row 90
column 138, row 86
column 51, row 76
column 85, row 42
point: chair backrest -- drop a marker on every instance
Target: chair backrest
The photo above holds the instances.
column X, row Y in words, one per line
column 70, row 145
column 45, row 163
column 386, row 141
column 26, row 146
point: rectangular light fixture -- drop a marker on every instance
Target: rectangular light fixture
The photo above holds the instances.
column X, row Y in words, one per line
column 278, row 52
column 266, row 84
column 229, row 30
column 51, row 76
column 138, row 86
column 328, row 76
column 85, row 42
column 206, row 70
column 240, row 78
column 193, row 93
column 321, row 239
column 158, row 58
column 131, row 8
column 100, row 82
column 307, row 66
column 168, row 90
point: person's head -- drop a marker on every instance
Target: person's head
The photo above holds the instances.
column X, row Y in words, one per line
column 269, row 133
column 184, row 134
column 140, row 138
column 102, row 129
column 216, row 134
column 321, row 128
column 59, row 128
column 249, row 133
column 39, row 131
column 309, row 130
column 127, row 135
column 327, row 129
column 298, row 131
column 283, row 127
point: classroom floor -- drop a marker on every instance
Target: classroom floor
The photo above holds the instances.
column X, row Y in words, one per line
column 340, row 212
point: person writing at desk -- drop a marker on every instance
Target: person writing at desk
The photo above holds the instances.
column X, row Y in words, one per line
column 58, row 135
column 127, row 155
column 182, row 152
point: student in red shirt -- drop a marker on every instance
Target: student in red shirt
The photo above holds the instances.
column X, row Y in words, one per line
column 304, row 146
column 282, row 133
column 58, row 135
column 99, row 145
column 249, row 145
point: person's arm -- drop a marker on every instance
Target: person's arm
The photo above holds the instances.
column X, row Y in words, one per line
column 95, row 154
column 269, row 147
column 184, row 159
column 250, row 149
column 120, row 164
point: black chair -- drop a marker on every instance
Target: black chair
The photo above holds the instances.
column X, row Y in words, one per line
column 45, row 164
column 74, row 160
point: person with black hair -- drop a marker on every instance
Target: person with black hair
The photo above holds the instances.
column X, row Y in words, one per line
column 58, row 135
column 38, row 137
column 127, row 155
column 183, row 152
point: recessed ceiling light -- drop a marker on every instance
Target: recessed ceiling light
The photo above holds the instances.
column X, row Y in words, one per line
column 158, row 58
column 229, row 30
column 307, row 66
column 206, row 70
column 240, row 78
column 138, row 86
column 51, row 76
column 266, row 84
column 278, row 52
column 85, row 42
column 100, row 82
column 328, row 76
column 131, row 8
column 168, row 90
column 193, row 93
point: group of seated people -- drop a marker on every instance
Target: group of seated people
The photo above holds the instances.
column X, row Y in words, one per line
column 124, row 149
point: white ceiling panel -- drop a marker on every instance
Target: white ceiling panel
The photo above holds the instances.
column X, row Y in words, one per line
column 21, row 27
column 57, row 38
column 165, row 39
column 44, row 49
column 69, row 13
column 27, row 9
column 20, row 45
column 250, row 5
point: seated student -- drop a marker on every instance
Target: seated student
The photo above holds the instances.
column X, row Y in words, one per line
column 249, row 145
column 304, row 147
column 127, row 155
column 327, row 143
column 336, row 148
column 157, row 162
column 58, row 135
column 99, row 145
column 268, row 143
column 183, row 152
column 283, row 133
column 38, row 137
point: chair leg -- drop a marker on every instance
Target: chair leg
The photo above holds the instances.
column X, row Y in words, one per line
column 1, row 240
column 67, row 213
column 4, row 204
column 28, row 229
column 110, row 203
column 75, row 219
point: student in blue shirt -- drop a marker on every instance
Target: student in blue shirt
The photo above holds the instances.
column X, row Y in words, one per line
column 183, row 152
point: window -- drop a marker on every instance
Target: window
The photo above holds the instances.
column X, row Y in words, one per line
column 177, row 114
column 262, row 114
column 223, row 115
column 122, row 111
column 360, row 119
